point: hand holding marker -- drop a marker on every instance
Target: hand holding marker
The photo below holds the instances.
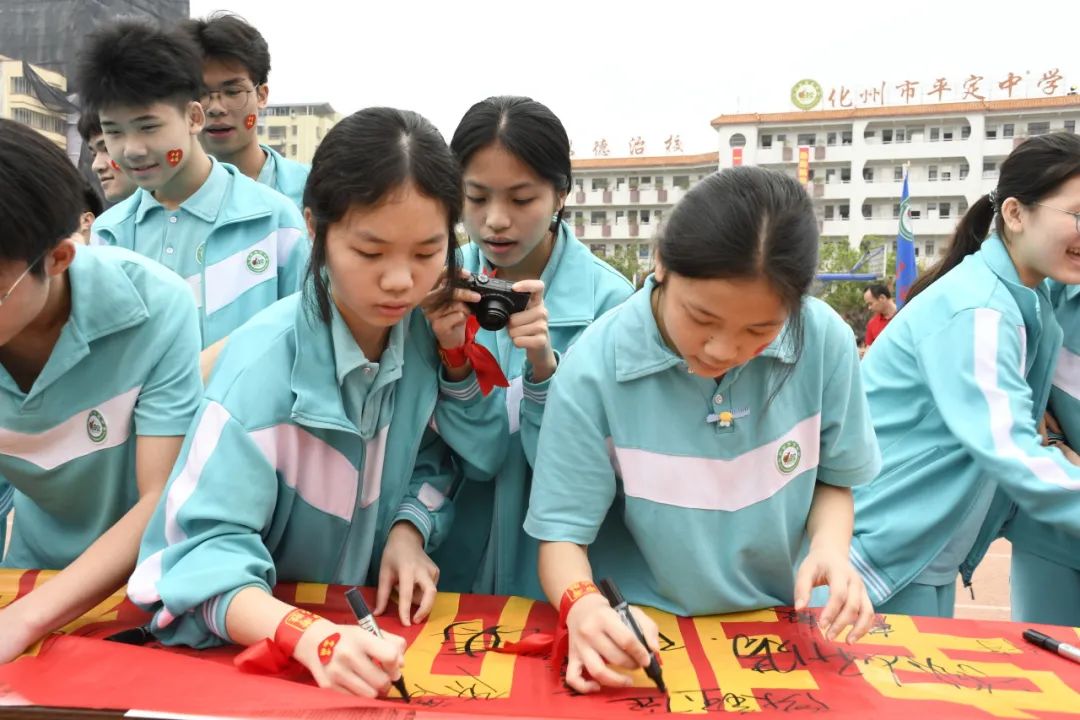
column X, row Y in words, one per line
column 622, row 609
column 366, row 620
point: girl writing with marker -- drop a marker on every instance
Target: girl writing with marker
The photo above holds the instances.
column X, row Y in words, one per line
column 705, row 435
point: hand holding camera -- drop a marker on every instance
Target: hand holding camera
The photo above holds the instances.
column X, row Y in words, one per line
column 529, row 330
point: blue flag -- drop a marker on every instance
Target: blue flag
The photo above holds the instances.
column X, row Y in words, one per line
column 905, row 250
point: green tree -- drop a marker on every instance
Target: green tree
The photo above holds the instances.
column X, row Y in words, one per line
column 846, row 297
column 625, row 260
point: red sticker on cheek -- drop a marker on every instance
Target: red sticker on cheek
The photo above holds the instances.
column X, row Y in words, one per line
column 113, row 164
column 173, row 157
column 249, row 121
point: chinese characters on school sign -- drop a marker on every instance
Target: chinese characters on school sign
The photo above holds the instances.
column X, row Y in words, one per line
column 766, row 664
column 635, row 146
column 809, row 94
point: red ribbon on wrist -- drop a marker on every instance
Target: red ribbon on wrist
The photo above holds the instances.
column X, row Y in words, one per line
column 484, row 364
column 271, row 656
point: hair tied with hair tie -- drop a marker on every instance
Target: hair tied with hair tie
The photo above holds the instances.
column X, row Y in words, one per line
column 992, row 196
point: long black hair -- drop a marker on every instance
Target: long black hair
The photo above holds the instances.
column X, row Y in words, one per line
column 527, row 129
column 1035, row 169
column 361, row 161
column 746, row 222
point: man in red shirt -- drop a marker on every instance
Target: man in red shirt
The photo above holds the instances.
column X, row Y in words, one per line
column 879, row 302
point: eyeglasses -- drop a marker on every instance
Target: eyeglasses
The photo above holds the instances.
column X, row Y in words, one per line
column 4, row 297
column 1076, row 215
column 232, row 97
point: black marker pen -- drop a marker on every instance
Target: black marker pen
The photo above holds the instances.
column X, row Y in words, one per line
column 618, row 604
column 1055, row 646
column 366, row 620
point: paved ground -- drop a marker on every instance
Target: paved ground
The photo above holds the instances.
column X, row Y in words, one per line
column 991, row 587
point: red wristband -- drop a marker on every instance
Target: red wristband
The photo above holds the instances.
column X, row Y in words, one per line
column 291, row 628
column 572, row 594
column 454, row 357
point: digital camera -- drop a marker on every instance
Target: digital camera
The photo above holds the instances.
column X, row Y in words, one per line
column 497, row 301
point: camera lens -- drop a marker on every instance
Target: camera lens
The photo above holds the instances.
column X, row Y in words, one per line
column 493, row 313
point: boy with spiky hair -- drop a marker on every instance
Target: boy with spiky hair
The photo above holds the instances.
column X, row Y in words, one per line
column 236, row 67
column 116, row 185
column 239, row 245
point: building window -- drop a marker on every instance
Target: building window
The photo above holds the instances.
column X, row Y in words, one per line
column 599, row 183
column 961, row 208
column 935, row 134
column 869, row 134
column 277, row 133
column 1038, row 128
column 947, row 135
column 619, row 216
column 896, row 210
column 867, row 211
column 901, row 135
column 681, row 181
column 579, row 218
column 38, row 121
column 944, row 210
column 965, row 169
column 645, row 217
column 598, row 250
column 898, row 173
column 829, row 212
column 20, row 86
column 916, row 247
column 845, row 212
column 868, row 174
column 845, row 174
column 845, row 137
column 929, row 248
column 965, row 132
column 1070, row 126
column 886, row 136
column 597, row 217
column 931, row 173
column 807, row 139
column 580, row 184
column 766, row 141
column 991, row 133
column 830, row 139
column 643, row 251
column 915, row 214
column 1007, row 130
column 931, row 208
column 737, row 140
column 292, row 151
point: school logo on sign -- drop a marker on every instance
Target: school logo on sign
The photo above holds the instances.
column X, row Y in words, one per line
column 258, row 261
column 788, row 456
column 200, row 253
column 96, row 427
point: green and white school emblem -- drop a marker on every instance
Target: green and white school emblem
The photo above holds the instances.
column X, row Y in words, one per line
column 200, row 253
column 96, row 427
column 788, row 456
column 258, row 261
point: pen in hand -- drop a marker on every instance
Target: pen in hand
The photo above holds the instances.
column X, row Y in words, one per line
column 622, row 609
column 366, row 620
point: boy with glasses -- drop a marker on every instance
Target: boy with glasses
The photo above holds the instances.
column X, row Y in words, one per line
column 98, row 383
column 236, row 65
column 239, row 245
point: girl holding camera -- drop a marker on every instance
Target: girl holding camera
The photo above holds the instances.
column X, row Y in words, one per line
column 515, row 158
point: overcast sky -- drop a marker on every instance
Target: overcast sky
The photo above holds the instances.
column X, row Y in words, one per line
column 618, row 70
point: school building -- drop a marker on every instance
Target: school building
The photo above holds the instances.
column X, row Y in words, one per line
column 620, row 201
column 296, row 130
column 20, row 99
column 854, row 159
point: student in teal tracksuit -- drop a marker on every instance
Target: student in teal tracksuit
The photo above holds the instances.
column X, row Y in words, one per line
column 515, row 157
column 236, row 68
column 1045, row 575
column 239, row 245
column 98, row 383
column 311, row 457
column 958, row 383
column 718, row 415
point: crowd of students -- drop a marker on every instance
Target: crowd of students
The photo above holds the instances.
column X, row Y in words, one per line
column 259, row 373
